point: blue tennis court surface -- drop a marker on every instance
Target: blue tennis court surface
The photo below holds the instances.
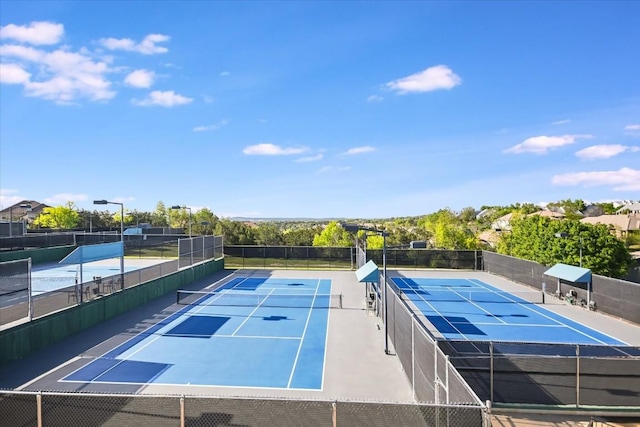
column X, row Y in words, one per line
column 469, row 309
column 252, row 332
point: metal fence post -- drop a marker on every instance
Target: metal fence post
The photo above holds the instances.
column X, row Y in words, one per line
column 39, row 408
column 413, row 351
column 491, row 370
column 577, row 375
column 334, row 414
column 29, row 290
column 182, row 417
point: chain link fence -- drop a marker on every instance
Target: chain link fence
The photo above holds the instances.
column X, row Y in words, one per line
column 613, row 296
column 432, row 376
column 549, row 374
column 67, row 409
column 18, row 302
column 194, row 250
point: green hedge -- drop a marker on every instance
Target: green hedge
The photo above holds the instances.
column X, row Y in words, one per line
column 21, row 340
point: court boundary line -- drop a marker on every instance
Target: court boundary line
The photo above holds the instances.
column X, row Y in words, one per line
column 432, row 307
column 174, row 316
column 304, row 333
column 177, row 315
column 257, row 307
column 527, row 306
column 326, row 340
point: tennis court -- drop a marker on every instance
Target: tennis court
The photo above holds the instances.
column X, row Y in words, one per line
column 245, row 332
column 472, row 310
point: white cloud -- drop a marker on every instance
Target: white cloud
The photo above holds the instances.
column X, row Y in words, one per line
column 13, row 74
column 272, row 150
column 374, row 98
column 310, row 158
column 214, row 126
column 327, row 169
column 625, row 179
column 225, row 74
column 63, row 198
column 633, row 130
column 25, row 53
column 9, row 197
column 37, row 33
column 62, row 76
column 542, row 144
column 604, row 151
column 561, row 122
column 359, row 150
column 433, row 78
column 140, row 78
column 147, row 46
column 208, row 99
column 163, row 99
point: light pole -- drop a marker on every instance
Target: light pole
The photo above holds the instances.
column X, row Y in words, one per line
column 384, row 234
column 105, row 202
column 190, row 239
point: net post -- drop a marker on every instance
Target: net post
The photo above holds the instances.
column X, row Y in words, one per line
column 340, row 301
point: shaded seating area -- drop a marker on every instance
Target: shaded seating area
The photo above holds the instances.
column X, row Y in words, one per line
column 578, row 278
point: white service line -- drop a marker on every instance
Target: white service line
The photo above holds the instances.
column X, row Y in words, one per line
column 304, row 332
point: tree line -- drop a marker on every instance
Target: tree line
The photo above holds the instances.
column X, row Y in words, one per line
column 528, row 237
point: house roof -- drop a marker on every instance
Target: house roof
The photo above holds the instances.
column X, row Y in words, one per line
column 548, row 214
column 631, row 207
column 621, row 222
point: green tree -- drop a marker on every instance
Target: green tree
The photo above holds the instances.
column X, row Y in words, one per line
column 204, row 222
column 63, row 217
column 301, row 236
column 159, row 217
column 448, row 232
column 534, row 238
column 180, row 218
column 334, row 235
column 268, row 234
column 235, row 232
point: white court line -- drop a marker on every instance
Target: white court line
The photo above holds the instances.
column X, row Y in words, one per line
column 304, row 332
column 179, row 314
column 557, row 321
column 480, row 307
column 432, row 307
column 234, row 336
column 326, row 338
column 252, row 312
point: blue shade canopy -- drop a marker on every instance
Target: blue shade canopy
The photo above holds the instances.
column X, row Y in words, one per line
column 89, row 253
column 570, row 273
column 368, row 272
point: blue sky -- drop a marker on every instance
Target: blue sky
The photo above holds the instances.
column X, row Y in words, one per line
column 319, row 109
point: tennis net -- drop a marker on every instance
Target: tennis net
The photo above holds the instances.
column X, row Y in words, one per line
column 239, row 299
column 517, row 297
